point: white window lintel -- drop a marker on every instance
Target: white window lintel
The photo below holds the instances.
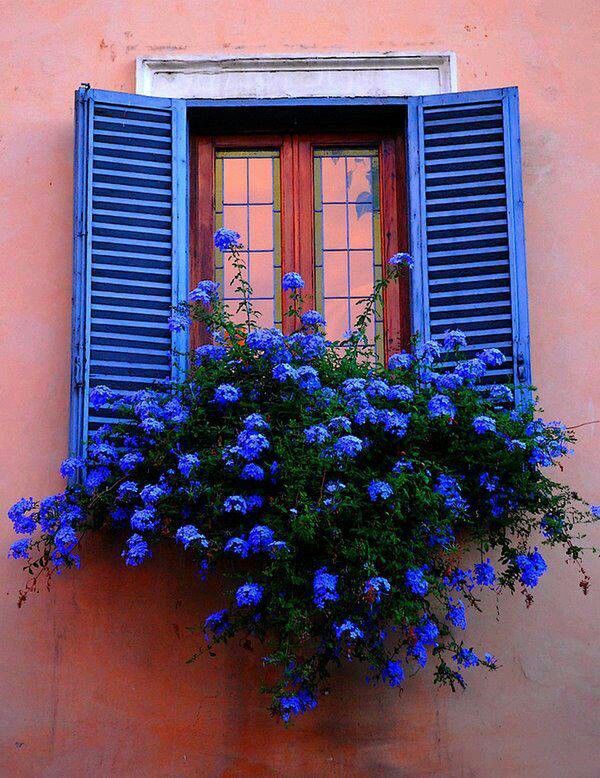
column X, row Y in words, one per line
column 390, row 74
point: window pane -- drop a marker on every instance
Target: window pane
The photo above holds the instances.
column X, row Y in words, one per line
column 347, row 240
column 247, row 200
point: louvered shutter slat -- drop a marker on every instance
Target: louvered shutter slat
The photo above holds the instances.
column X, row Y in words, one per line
column 130, row 247
column 467, row 224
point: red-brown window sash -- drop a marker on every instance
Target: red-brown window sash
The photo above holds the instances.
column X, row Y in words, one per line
column 297, row 226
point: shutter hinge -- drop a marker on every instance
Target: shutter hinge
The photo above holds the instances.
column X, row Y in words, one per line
column 521, row 367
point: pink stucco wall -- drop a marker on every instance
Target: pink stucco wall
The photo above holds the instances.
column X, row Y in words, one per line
column 93, row 676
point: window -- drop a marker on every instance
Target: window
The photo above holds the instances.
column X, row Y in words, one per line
column 329, row 205
column 338, row 187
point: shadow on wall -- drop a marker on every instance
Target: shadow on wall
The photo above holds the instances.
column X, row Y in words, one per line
column 116, row 660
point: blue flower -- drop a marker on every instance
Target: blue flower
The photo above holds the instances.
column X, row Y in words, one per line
column 376, row 587
column 492, row 357
column 400, row 361
column 348, row 629
column 284, row 372
column 454, row 339
column 152, row 493
column 179, row 321
column 308, row 379
column 100, row 396
column 255, row 422
column 226, row 239
column 226, row 394
column 402, row 260
column 379, row 490
column 456, row 613
column 312, row 345
column 130, row 461
column 186, row 463
column 430, row 351
column 418, row 652
column 483, row 424
column 120, row 514
column 190, row 534
column 416, row 581
column 237, row 546
column 471, row 370
column 484, row 573
column 532, row 567
column 205, row 293
column 292, row 281
column 348, row 446
column 252, row 472
column 466, row 657
column 440, row 405
column 127, row 489
column 595, row 511
column 249, row 594
column 137, row 550
column 251, row 445
column 324, row 588
column 448, row 382
column 144, row 519
column 295, row 704
column 400, row 393
column 217, row 622
column 312, row 319
column 270, row 341
column 235, row 503
column 65, row 540
column 339, row 424
column 499, row 393
column 210, row 353
column 427, row 631
column 254, row 502
column 96, row 477
column 403, row 465
column 316, row 434
column 393, row 421
column 440, row 536
column 20, row 549
column 392, row 673
column 23, row 525
column 71, row 466
column 260, row 538
column 447, row 486
column 102, row 453
column 152, row 426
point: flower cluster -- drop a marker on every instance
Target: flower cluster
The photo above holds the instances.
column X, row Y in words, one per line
column 333, row 489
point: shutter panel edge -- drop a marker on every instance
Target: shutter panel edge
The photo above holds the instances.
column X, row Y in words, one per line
column 85, row 99
column 420, row 287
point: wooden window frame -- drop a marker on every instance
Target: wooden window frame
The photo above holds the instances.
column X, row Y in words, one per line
column 297, row 231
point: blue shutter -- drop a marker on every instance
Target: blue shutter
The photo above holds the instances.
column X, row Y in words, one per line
column 130, row 247
column 466, row 214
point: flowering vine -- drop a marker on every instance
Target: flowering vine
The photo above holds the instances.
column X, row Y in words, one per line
column 333, row 495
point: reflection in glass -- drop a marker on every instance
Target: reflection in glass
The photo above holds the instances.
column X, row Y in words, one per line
column 347, row 244
column 248, row 200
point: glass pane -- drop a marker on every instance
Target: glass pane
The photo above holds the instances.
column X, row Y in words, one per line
column 337, row 316
column 335, row 273
column 347, row 240
column 260, row 180
column 247, row 200
column 361, row 273
column 235, row 181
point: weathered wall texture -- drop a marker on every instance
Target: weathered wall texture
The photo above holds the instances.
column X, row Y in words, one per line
column 93, row 674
